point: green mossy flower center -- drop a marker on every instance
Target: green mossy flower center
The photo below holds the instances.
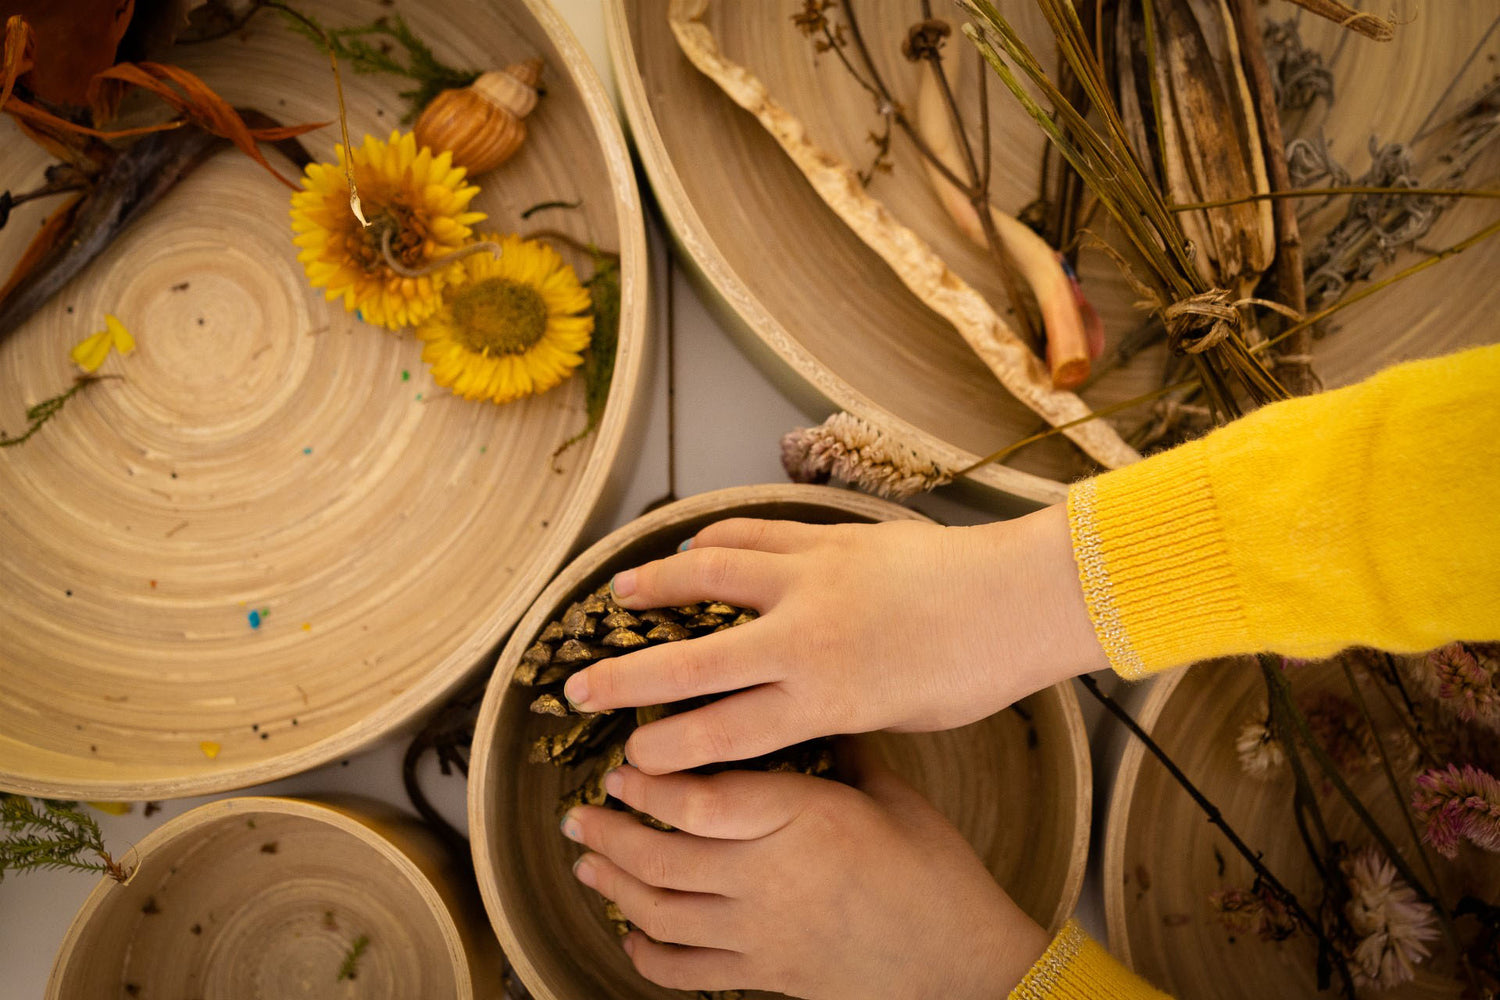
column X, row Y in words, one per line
column 498, row 317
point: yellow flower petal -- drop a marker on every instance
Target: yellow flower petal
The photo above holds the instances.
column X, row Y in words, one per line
column 210, row 749
column 119, row 337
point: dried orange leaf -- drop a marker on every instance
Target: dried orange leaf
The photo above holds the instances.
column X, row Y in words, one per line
column 188, row 94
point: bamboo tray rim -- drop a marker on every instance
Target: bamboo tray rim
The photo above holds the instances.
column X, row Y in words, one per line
column 748, row 314
column 443, row 677
column 328, row 814
column 486, row 725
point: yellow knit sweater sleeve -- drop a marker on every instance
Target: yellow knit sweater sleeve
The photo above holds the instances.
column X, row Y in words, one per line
column 1368, row 516
column 1075, row 968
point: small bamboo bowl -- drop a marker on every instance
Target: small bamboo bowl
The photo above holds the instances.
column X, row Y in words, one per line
column 265, row 897
column 1025, row 809
column 263, row 450
column 825, row 316
column 1161, row 856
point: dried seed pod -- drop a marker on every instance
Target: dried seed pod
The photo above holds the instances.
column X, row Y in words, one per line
column 595, row 604
column 704, row 621
column 720, row 608
column 656, row 616
column 555, row 674
column 688, row 610
column 533, row 660
column 482, row 124
column 552, row 633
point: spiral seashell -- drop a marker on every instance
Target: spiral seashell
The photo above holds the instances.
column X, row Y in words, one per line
column 482, row 124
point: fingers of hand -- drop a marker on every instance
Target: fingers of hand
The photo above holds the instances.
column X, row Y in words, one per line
column 738, row 576
column 762, row 536
column 688, row 918
column 743, row 725
column 656, row 857
column 679, row 968
column 734, row 805
column 674, row 671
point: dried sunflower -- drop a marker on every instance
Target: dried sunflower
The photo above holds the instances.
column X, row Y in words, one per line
column 417, row 204
column 509, row 326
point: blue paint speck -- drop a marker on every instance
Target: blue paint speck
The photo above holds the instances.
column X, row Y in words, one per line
column 254, row 618
column 307, row 451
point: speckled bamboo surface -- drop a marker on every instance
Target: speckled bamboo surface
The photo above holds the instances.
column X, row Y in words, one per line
column 1161, row 858
column 1025, row 808
column 263, row 451
column 826, row 316
column 267, row 897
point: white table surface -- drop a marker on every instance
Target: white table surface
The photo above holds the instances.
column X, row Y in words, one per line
column 729, row 420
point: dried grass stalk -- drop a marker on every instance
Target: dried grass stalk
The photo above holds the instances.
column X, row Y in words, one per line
column 1021, row 372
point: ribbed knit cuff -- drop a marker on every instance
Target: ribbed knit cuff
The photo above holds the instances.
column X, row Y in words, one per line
column 1075, row 968
column 1152, row 559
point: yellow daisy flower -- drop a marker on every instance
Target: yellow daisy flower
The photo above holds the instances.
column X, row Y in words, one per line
column 416, row 200
column 509, row 326
column 90, row 353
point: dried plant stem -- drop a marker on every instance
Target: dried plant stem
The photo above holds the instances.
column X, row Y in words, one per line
column 1333, row 191
column 1409, row 719
column 1215, row 817
column 1369, row 25
column 436, row 264
column 1400, row 799
column 976, row 188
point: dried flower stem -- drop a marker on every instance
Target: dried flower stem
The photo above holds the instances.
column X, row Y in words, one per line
column 1445, row 918
column 435, row 265
column 1345, row 16
column 1345, row 189
column 1215, row 817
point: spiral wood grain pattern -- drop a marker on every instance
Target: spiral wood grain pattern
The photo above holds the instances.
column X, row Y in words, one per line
column 266, row 897
column 1161, row 857
column 1024, row 809
column 265, row 451
column 838, row 329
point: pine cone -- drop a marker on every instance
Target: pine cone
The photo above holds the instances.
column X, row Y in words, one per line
column 596, row 628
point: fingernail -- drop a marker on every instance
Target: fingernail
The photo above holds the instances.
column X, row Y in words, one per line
column 571, row 828
column 576, row 690
column 685, row 545
column 623, row 584
column 614, row 783
column 629, row 945
column 583, row 871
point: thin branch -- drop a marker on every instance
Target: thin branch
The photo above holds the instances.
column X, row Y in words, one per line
column 1334, row 191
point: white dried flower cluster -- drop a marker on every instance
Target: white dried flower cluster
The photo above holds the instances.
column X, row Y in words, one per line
column 1259, row 751
column 1393, row 925
column 847, row 448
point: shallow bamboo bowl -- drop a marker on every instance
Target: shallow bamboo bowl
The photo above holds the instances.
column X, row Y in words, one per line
column 834, row 325
column 1025, row 809
column 1160, row 859
column 267, row 451
column 265, row 897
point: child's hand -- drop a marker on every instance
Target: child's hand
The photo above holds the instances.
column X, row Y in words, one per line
column 863, row 627
column 803, row 886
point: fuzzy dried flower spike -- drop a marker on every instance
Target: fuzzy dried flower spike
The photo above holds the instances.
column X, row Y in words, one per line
column 1393, row 925
column 418, row 207
column 847, row 448
column 1463, row 679
column 1260, row 753
column 1458, row 804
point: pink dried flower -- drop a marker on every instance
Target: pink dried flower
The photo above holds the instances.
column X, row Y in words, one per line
column 1241, row 911
column 847, row 448
column 1259, row 751
column 1393, row 925
column 1458, row 804
column 1465, row 683
column 1341, row 731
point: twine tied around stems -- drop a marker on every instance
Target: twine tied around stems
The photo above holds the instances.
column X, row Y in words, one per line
column 1203, row 321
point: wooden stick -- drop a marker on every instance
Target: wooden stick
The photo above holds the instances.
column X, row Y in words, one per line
column 1018, row 369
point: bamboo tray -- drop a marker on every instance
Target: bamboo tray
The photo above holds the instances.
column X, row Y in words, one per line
column 1025, row 809
column 266, row 897
column 1161, row 856
column 827, row 317
column 266, row 451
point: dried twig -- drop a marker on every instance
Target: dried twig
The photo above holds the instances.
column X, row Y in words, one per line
column 1369, row 25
